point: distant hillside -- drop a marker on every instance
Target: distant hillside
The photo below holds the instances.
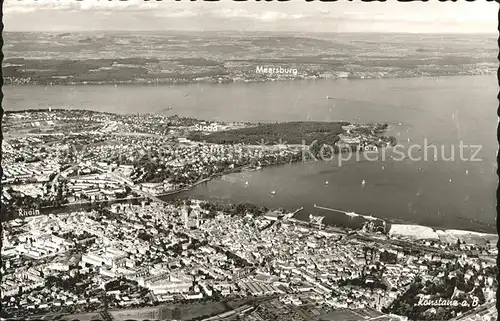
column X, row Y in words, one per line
column 178, row 58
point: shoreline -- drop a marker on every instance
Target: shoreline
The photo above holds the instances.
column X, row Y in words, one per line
column 204, row 180
column 392, row 222
column 367, row 217
column 191, row 83
column 191, row 186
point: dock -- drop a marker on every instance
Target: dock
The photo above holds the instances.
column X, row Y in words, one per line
column 352, row 214
column 329, row 209
column 292, row 214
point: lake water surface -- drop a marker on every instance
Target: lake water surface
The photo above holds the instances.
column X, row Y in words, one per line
column 443, row 111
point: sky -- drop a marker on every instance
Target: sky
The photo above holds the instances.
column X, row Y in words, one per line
column 296, row 15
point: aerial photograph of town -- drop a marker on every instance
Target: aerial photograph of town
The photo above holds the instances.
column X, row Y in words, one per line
column 249, row 161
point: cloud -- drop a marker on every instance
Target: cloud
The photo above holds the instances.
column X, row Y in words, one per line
column 267, row 16
column 18, row 9
column 274, row 15
column 432, row 17
column 12, row 6
column 295, row 15
column 176, row 14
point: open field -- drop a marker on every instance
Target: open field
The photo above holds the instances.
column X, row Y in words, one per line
column 445, row 236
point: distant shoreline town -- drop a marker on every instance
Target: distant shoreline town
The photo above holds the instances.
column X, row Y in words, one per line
column 276, row 70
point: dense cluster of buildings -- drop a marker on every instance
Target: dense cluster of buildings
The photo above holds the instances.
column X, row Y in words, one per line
column 29, row 172
column 137, row 255
column 126, row 255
